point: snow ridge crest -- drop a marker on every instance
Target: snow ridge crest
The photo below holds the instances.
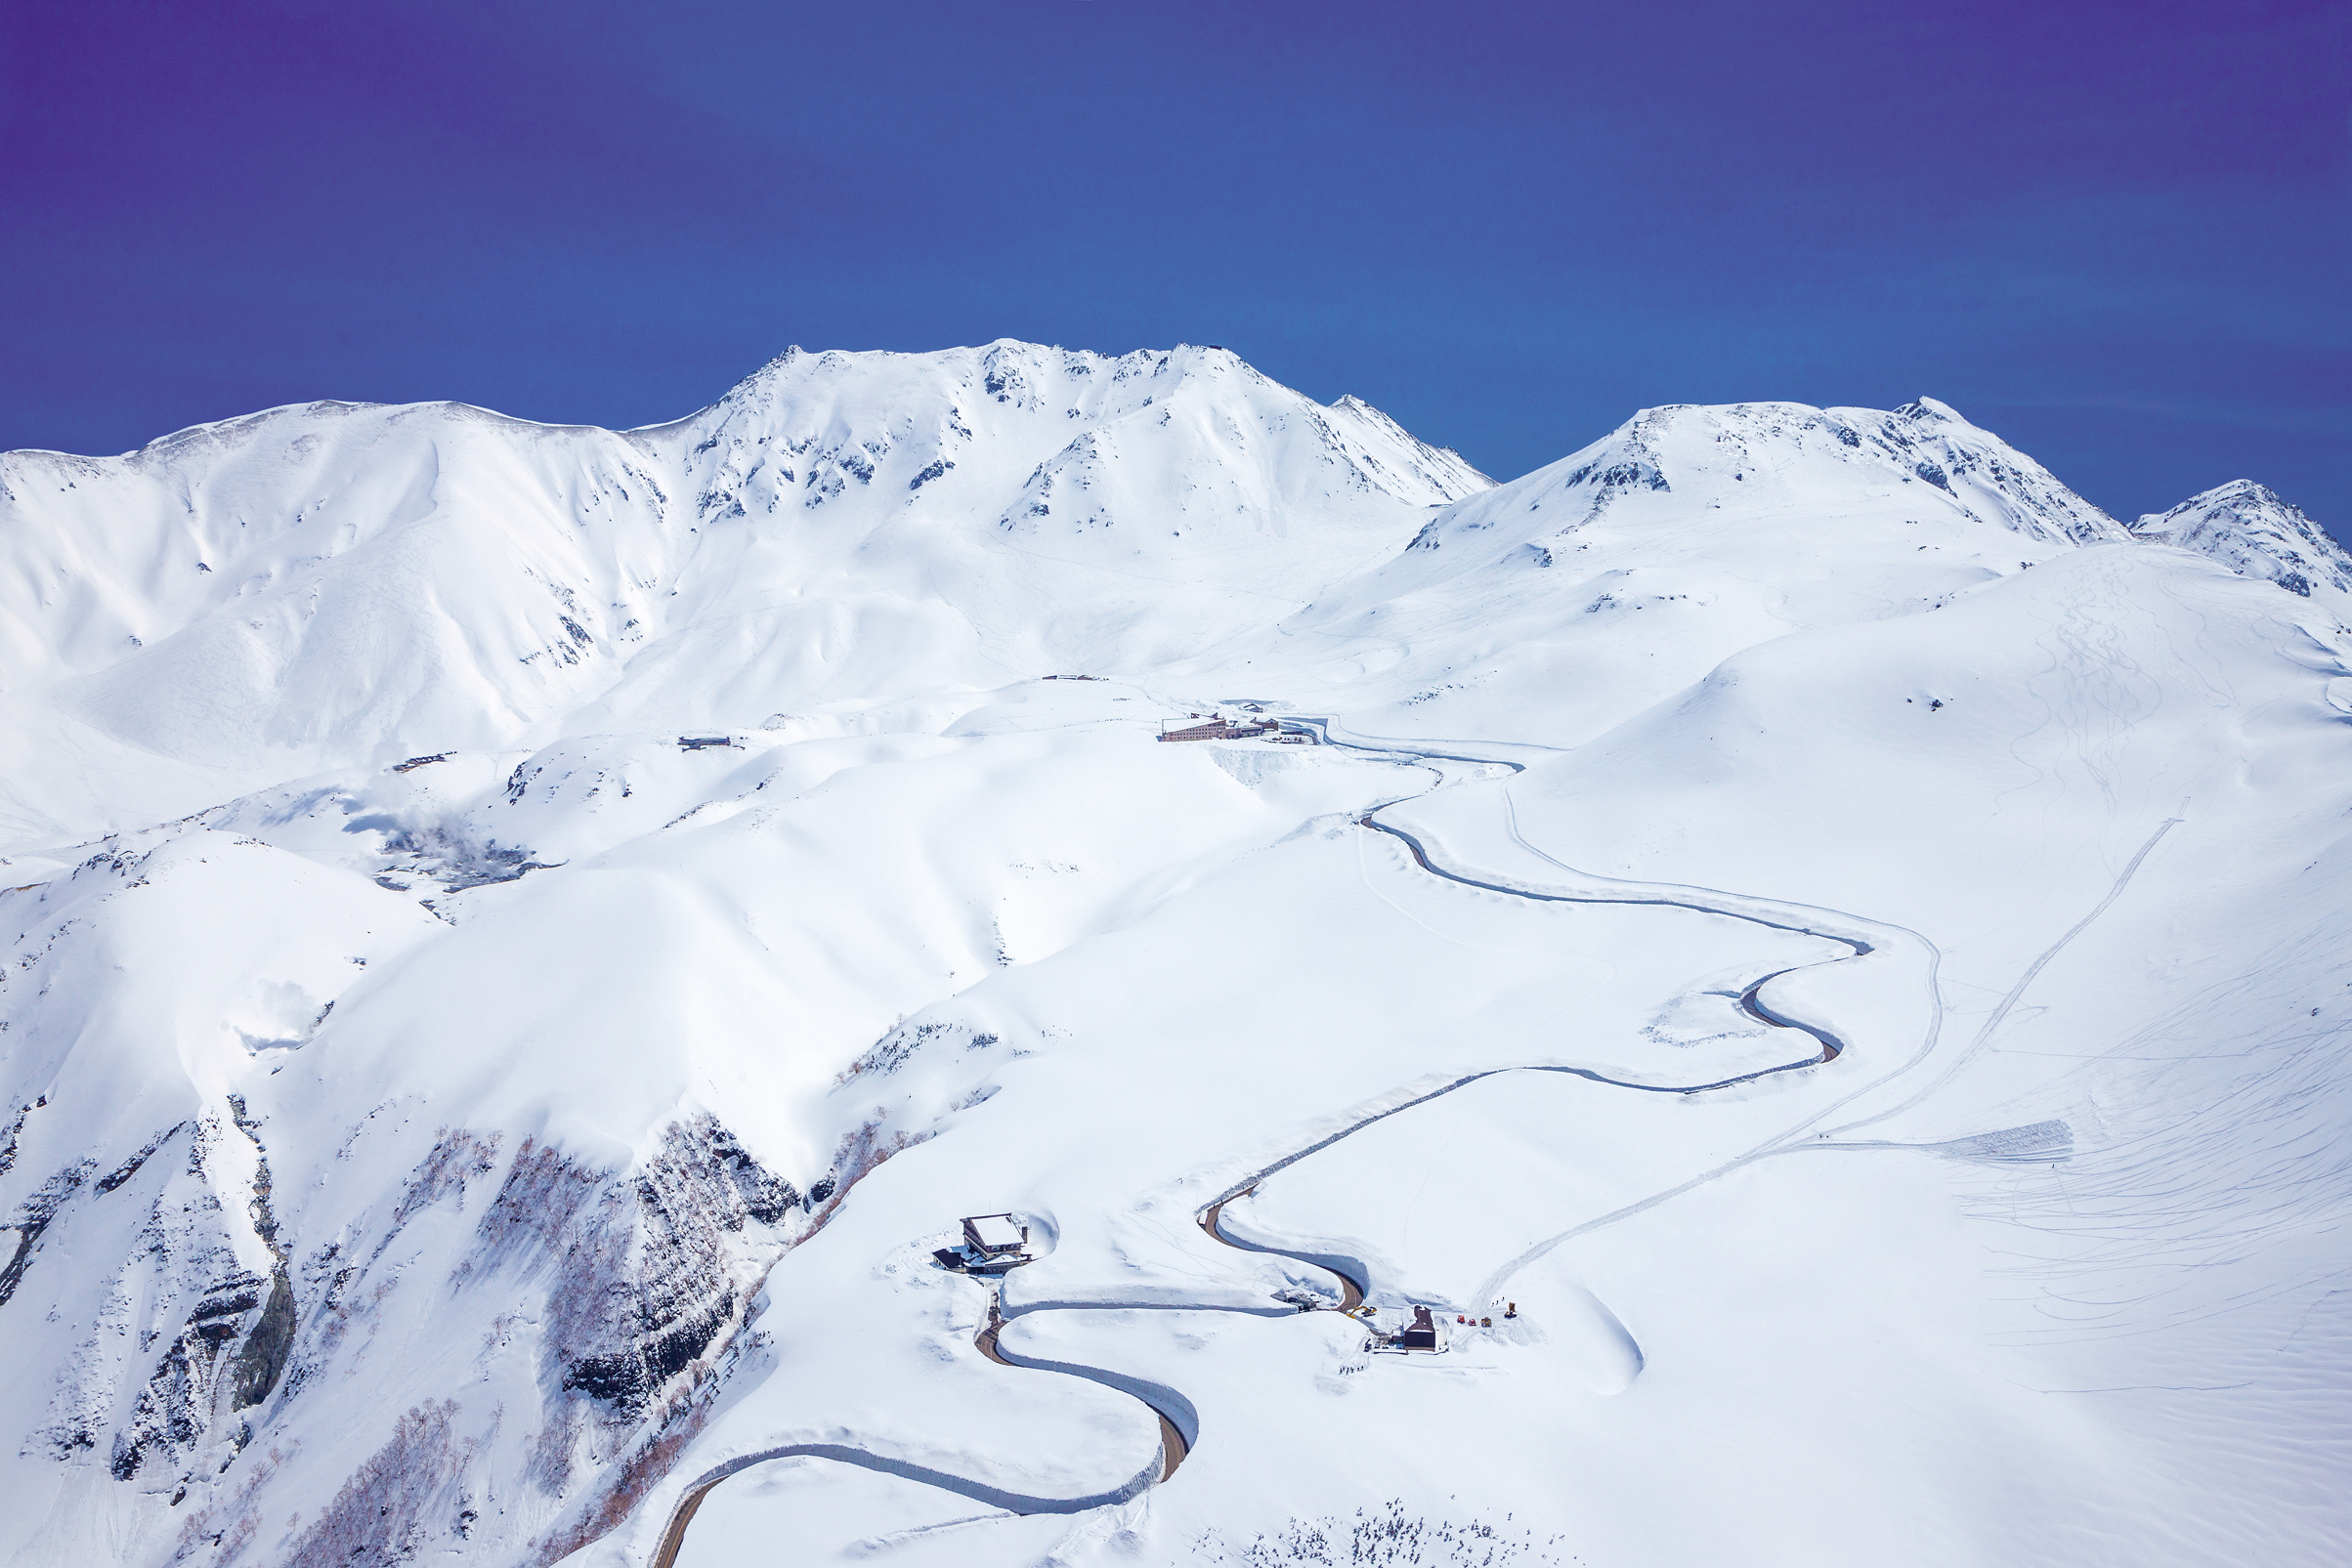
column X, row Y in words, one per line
column 1748, row 457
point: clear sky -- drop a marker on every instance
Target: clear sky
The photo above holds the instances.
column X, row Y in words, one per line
column 2120, row 234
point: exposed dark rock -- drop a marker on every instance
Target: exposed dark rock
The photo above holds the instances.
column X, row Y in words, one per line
column 766, row 1196
column 263, row 1358
column 630, row 1377
column 653, row 1283
column 33, row 1216
column 457, row 861
column 130, row 1168
column 8, row 1139
column 172, row 1408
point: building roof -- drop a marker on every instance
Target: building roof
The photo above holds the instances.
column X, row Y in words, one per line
column 994, row 1230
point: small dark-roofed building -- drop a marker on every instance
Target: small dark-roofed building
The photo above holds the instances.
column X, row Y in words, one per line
column 1421, row 1334
column 993, row 1243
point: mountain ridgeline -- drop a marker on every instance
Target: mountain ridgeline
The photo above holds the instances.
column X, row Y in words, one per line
column 523, row 939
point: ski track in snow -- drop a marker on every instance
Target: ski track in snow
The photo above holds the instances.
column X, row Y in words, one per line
column 1179, row 1423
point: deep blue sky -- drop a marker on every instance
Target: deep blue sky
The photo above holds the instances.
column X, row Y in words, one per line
column 2119, row 234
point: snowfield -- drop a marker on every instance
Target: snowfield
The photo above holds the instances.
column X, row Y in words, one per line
column 1816, row 953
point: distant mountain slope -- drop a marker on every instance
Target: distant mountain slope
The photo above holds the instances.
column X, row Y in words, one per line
column 335, row 583
column 1683, row 459
column 1044, row 442
column 2251, row 530
column 1608, row 580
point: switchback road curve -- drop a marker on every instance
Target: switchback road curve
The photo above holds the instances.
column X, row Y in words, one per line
column 1177, row 1421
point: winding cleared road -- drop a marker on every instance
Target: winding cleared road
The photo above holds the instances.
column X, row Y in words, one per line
column 1178, row 1424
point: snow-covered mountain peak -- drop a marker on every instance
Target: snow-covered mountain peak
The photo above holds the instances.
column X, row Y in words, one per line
column 877, row 433
column 2255, row 532
column 1920, row 461
column 344, row 579
column 1924, row 410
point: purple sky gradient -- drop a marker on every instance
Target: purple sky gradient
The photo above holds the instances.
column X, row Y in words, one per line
column 2120, row 235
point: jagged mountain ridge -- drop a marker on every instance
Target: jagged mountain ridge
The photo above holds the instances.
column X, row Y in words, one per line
column 334, row 581
column 806, row 427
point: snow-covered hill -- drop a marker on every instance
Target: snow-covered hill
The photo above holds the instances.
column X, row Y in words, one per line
column 1812, row 947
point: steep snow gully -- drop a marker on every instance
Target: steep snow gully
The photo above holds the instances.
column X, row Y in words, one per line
column 1180, row 1427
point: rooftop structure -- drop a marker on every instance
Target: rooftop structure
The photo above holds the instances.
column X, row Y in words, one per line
column 995, row 1233
column 1219, row 729
column 993, row 1243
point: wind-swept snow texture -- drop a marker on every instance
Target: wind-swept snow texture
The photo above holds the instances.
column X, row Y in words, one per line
column 1815, row 951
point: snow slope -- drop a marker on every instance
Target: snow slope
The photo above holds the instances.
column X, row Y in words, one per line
column 1817, row 945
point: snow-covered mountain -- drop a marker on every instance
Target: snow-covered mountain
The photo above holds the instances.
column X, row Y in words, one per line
column 335, row 583
column 1811, row 947
column 2249, row 529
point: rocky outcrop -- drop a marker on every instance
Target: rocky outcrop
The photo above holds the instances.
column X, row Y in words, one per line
column 33, row 1217
column 655, row 1271
column 636, row 1285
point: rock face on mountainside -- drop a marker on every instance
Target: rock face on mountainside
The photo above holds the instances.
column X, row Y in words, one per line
column 522, row 942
